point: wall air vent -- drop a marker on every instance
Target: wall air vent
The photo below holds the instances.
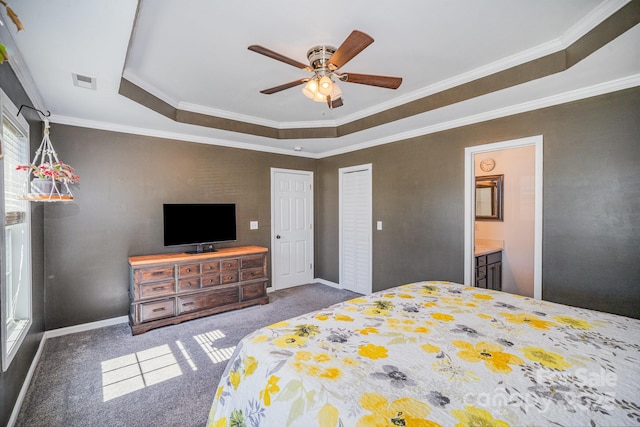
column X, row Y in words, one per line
column 84, row 81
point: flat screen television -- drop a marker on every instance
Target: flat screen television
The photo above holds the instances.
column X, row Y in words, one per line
column 199, row 224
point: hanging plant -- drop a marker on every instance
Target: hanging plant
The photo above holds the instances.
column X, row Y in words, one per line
column 50, row 177
column 56, row 171
column 4, row 56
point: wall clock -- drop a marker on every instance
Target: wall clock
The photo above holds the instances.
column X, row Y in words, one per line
column 487, row 165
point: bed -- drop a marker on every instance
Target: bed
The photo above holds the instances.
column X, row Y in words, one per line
column 436, row 353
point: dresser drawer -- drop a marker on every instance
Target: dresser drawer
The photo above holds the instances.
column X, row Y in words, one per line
column 252, row 274
column 229, row 277
column 188, row 270
column 252, row 262
column 154, row 274
column 254, row 290
column 210, row 267
column 207, row 300
column 157, row 289
column 189, row 284
column 210, row 280
column 157, row 309
column 229, row 265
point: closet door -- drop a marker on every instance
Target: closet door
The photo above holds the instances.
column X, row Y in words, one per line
column 355, row 229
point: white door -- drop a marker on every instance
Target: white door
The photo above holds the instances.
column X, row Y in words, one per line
column 292, row 227
column 355, row 229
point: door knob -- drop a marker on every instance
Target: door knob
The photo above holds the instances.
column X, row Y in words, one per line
column 277, row 236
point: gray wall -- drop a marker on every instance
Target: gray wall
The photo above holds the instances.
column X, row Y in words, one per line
column 591, row 209
column 591, row 218
column 11, row 381
column 117, row 211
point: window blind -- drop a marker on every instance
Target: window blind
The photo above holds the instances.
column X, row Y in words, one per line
column 15, row 150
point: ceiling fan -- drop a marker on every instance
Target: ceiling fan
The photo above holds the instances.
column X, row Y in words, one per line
column 324, row 62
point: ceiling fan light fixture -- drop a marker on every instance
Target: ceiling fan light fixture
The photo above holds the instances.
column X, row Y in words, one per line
column 320, row 98
column 325, row 86
column 310, row 90
column 336, row 92
column 324, row 63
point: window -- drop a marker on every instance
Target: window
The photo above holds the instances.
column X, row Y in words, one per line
column 16, row 255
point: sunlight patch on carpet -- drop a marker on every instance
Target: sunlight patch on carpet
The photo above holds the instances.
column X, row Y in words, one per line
column 186, row 355
column 126, row 374
column 207, row 340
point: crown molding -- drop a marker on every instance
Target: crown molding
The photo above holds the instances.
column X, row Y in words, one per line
column 148, row 87
column 590, row 21
column 582, row 27
column 215, row 112
column 563, row 98
column 570, row 96
column 135, row 130
column 195, row 108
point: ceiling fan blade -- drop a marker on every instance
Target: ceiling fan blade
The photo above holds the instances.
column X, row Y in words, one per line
column 334, row 103
column 283, row 87
column 372, row 80
column 353, row 45
column 278, row 57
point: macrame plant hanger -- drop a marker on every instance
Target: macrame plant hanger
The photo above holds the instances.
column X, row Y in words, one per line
column 49, row 189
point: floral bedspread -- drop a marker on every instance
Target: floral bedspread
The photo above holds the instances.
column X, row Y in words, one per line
column 436, row 353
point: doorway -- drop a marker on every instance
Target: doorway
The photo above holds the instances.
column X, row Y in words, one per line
column 291, row 228
column 355, row 214
column 470, row 224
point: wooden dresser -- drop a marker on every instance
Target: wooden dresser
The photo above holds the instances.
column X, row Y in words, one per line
column 166, row 289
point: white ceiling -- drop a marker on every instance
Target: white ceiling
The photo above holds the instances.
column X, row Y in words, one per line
column 193, row 55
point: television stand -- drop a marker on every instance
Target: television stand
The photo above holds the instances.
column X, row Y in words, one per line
column 166, row 289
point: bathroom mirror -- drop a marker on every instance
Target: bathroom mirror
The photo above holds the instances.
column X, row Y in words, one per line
column 489, row 197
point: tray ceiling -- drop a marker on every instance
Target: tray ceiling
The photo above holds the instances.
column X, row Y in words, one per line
column 182, row 70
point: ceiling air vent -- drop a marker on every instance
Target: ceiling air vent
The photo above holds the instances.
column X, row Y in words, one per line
column 84, row 81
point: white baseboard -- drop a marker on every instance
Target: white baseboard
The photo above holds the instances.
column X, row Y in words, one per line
column 86, row 327
column 316, row 280
column 51, row 334
column 25, row 384
column 328, row 283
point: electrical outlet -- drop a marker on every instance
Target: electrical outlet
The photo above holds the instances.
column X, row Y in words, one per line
column 253, row 225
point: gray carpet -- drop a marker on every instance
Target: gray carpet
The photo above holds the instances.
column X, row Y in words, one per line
column 165, row 377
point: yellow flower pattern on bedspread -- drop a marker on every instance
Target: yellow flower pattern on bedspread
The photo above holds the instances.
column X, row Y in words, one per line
column 431, row 354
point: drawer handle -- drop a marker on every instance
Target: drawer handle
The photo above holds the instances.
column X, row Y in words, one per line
column 188, row 284
column 155, row 310
column 158, row 288
column 188, row 270
column 187, row 303
column 158, row 273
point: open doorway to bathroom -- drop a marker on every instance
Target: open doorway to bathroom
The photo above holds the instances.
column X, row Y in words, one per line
column 518, row 235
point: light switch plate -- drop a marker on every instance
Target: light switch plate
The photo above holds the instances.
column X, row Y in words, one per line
column 379, row 225
column 253, row 225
